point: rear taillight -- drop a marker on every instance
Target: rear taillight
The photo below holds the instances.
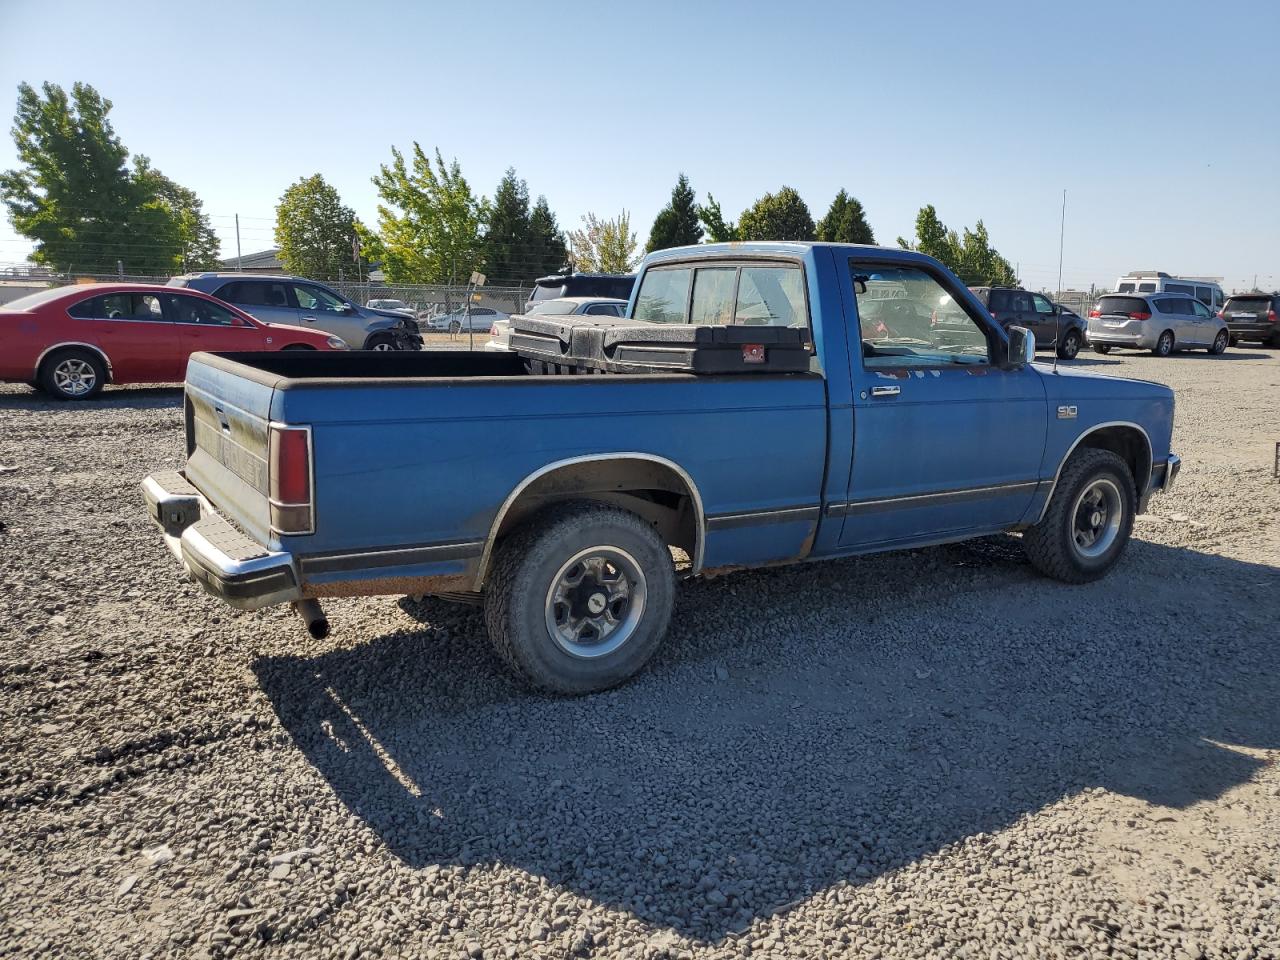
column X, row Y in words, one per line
column 493, row 331
column 1222, row 315
column 1139, row 315
column 292, row 506
column 1095, row 312
column 1271, row 316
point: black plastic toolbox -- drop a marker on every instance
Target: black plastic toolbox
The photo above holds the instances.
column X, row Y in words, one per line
column 557, row 347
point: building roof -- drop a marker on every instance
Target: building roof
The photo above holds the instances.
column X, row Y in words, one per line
column 262, row 260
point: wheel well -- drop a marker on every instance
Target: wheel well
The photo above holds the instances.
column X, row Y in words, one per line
column 54, row 352
column 1128, row 443
column 298, row 346
column 655, row 490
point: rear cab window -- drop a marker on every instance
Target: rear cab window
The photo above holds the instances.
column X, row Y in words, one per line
column 724, row 294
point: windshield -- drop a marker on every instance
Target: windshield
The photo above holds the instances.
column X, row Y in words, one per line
column 553, row 307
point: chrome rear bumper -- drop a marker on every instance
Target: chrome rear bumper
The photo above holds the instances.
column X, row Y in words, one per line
column 228, row 564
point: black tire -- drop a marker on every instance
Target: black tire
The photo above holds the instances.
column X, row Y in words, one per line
column 1274, row 342
column 73, row 374
column 1103, row 348
column 381, row 342
column 528, row 566
column 1052, row 545
column 1070, row 345
column 1235, row 342
column 1164, row 345
column 1219, row 344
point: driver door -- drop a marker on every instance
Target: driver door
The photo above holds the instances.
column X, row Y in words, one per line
column 946, row 441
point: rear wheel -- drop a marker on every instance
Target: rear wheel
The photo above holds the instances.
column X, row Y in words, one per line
column 73, row 375
column 1102, row 348
column 580, row 597
column 1164, row 346
column 1070, row 345
column 1087, row 526
column 1219, row 343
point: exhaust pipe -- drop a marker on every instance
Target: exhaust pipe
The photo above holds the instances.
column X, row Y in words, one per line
column 317, row 623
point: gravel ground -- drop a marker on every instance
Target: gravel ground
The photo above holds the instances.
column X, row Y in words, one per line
column 932, row 753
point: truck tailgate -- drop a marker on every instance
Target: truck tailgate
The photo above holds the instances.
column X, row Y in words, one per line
column 228, row 429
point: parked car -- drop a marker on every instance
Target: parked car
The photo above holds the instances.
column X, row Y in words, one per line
column 1161, row 323
column 1253, row 316
column 478, row 319
column 600, row 307
column 564, row 517
column 614, row 286
column 1046, row 319
column 298, row 302
column 71, row 341
column 393, row 306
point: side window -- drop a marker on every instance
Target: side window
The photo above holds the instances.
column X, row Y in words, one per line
column 713, row 296
column 997, row 300
column 232, row 292
column 1125, row 288
column 603, row 310
column 1175, row 306
column 255, row 293
column 1146, row 288
column 1200, row 309
column 771, row 296
column 185, row 309
column 664, row 296
column 901, row 325
column 120, row 306
column 1042, row 304
column 1179, row 288
column 1022, row 303
column 1204, row 295
column 313, row 298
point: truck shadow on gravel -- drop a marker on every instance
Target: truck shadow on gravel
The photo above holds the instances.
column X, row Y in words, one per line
column 802, row 726
column 123, row 398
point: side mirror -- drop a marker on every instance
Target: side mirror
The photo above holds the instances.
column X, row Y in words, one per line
column 1022, row 347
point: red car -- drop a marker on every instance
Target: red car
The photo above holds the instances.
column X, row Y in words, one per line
column 71, row 341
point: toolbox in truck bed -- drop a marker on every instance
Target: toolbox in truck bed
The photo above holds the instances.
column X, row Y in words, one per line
column 558, row 347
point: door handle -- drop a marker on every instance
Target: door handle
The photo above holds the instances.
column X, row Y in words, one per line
column 309, row 319
column 885, row 391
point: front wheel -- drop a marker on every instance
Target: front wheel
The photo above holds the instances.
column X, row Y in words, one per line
column 580, row 597
column 1103, row 348
column 1164, row 346
column 1087, row 526
column 381, row 342
column 1070, row 345
column 1219, row 343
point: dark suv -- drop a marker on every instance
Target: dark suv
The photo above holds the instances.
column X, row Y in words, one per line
column 1044, row 318
column 614, row 286
column 1253, row 316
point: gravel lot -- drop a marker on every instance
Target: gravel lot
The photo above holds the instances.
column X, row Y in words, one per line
column 933, row 753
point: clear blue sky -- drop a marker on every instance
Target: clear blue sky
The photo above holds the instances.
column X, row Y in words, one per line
column 1162, row 120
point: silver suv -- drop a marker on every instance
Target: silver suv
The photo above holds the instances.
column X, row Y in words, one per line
column 1159, row 322
column 304, row 303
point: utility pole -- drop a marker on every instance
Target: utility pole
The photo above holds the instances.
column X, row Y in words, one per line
column 239, row 265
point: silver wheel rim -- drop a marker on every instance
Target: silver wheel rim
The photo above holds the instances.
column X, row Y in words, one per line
column 595, row 602
column 1220, row 343
column 1165, row 344
column 382, row 347
column 1096, row 517
column 74, row 377
column 1071, row 346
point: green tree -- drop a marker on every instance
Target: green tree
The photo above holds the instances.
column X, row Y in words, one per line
column 718, row 229
column 314, row 229
column 676, row 224
column 198, row 245
column 845, row 222
column 507, row 243
column 74, row 194
column 777, row 216
column 548, row 253
column 429, row 220
column 604, row 246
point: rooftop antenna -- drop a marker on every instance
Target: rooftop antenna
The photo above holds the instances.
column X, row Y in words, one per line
column 1057, row 317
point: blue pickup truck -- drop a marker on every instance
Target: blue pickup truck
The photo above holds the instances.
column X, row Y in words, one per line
column 570, row 505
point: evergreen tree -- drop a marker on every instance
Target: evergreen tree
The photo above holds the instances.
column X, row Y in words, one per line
column 845, row 222
column 780, row 216
column 508, row 243
column 676, row 224
column 718, row 229
column 548, row 253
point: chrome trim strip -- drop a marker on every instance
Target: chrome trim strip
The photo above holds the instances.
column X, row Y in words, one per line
column 394, row 557
column 960, row 495
column 75, row 343
column 729, row 521
column 699, row 514
column 1072, row 449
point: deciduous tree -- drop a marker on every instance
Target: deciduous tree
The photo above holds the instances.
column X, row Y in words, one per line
column 970, row 256
column 430, row 222
column 777, row 216
column 314, row 229
column 676, row 224
column 198, row 245
column 604, row 246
